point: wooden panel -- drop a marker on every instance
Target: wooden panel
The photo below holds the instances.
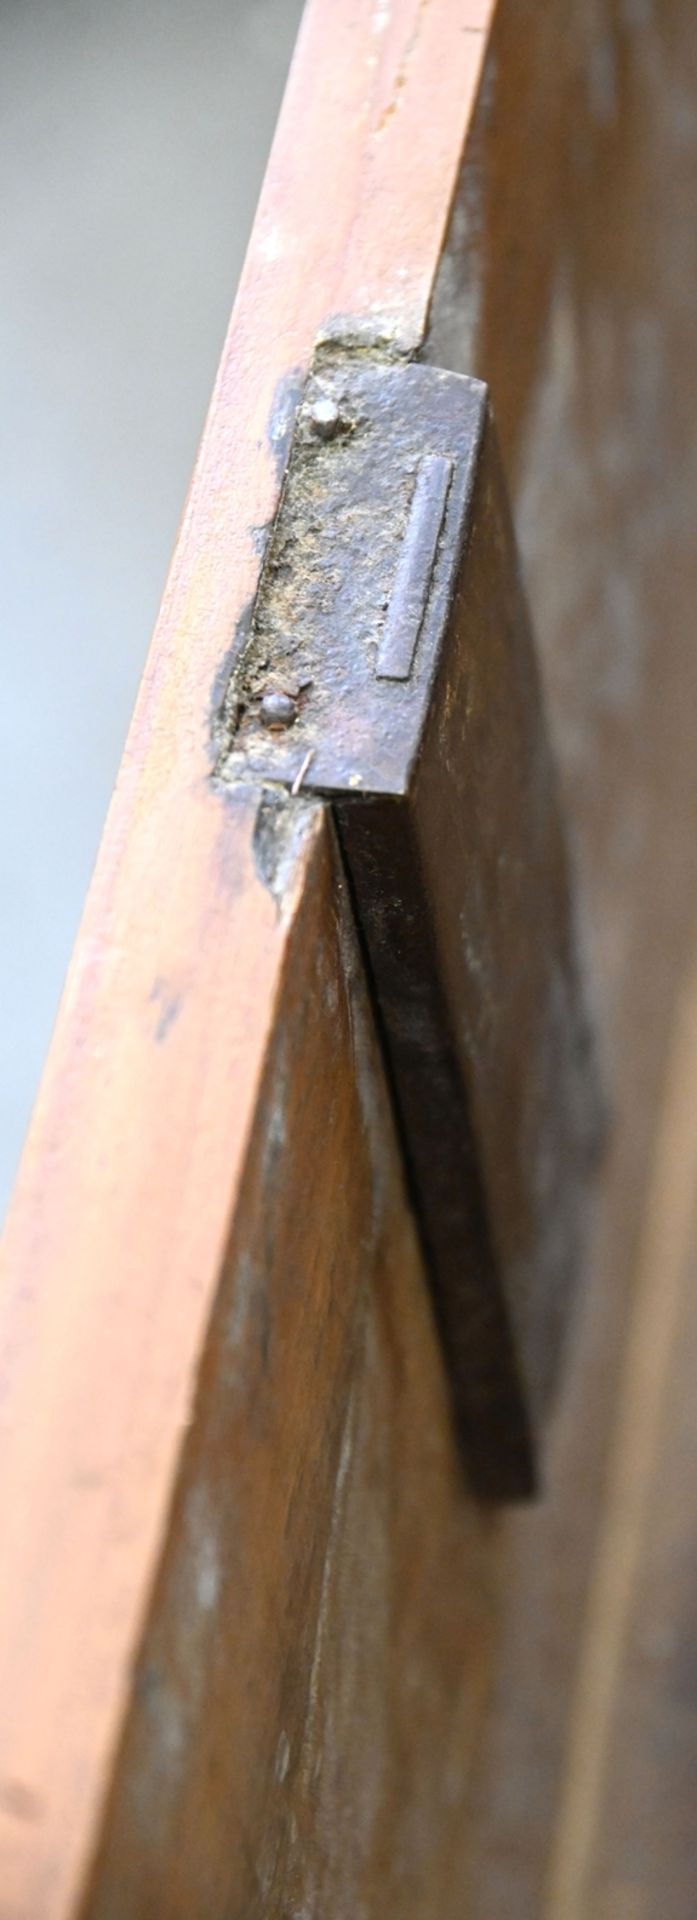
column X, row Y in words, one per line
column 132, row 1188
column 101, row 1357
column 313, row 1671
column 626, row 1843
column 128, row 1186
column 568, row 283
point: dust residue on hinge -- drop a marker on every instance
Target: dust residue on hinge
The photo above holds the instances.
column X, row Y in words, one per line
column 343, row 342
column 275, row 675
column 328, row 685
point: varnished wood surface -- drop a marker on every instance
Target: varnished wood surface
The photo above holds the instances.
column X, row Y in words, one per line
column 102, row 1359
column 573, row 234
column 315, row 1665
column 129, row 1180
column 569, row 285
column 625, row 1842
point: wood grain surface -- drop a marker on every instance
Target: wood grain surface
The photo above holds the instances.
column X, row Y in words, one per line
column 129, row 1182
column 314, row 1668
column 258, row 1652
column 572, row 235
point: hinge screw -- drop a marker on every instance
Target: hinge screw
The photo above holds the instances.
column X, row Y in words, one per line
column 277, row 710
column 325, row 418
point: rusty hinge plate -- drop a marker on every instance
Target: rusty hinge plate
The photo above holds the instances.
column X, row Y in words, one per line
column 387, row 665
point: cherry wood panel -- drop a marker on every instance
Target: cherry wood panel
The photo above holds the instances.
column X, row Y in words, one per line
column 568, row 283
column 131, row 1175
column 315, row 1663
column 250, row 1621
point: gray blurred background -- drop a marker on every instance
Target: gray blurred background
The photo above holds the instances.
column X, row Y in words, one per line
column 133, row 140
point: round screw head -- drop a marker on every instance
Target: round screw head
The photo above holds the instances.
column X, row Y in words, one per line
column 325, row 417
column 277, row 709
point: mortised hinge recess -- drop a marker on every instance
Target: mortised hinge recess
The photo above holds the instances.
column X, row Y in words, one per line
column 387, row 665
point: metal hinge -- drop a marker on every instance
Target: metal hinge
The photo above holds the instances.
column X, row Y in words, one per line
column 388, row 666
